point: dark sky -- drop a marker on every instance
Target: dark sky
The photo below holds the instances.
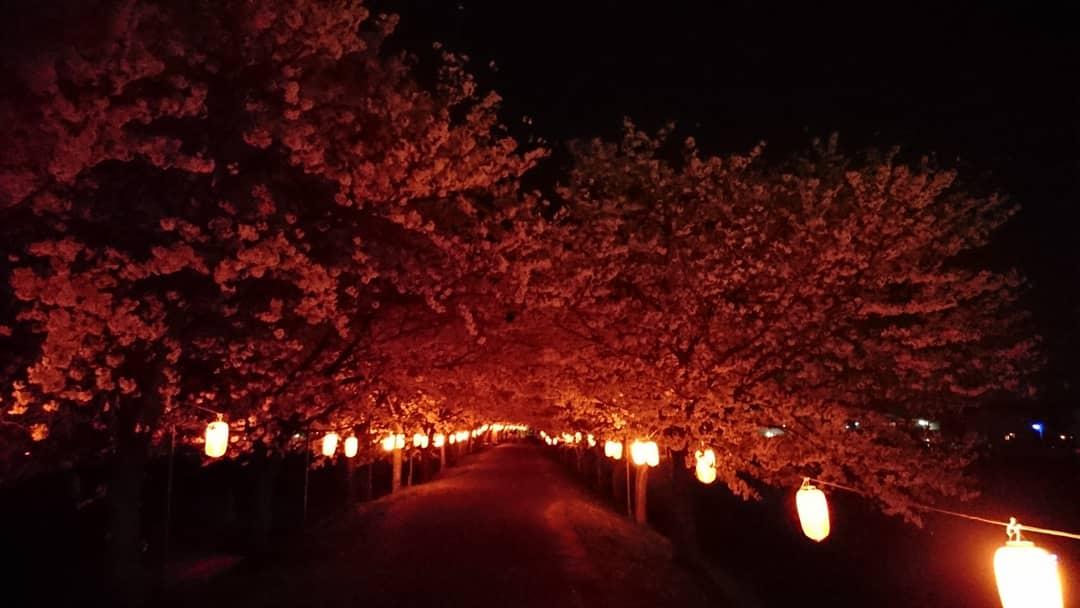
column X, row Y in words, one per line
column 990, row 91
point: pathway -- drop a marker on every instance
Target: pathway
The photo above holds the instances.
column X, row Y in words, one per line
column 507, row 528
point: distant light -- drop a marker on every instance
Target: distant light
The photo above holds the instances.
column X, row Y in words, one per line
column 1037, row 426
column 771, row 431
column 923, row 422
column 856, row 423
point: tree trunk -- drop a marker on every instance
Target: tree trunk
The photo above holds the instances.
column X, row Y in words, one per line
column 412, row 469
column 615, row 481
column 442, row 457
column 126, row 577
column 266, row 467
column 368, row 490
column 598, row 468
column 640, row 493
column 395, row 477
column 350, row 481
column 684, row 526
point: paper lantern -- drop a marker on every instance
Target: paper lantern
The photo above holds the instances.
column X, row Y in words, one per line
column 645, row 453
column 652, row 453
column 352, row 445
column 399, row 441
column 452, row 439
column 388, row 443
column 813, row 511
column 591, row 440
column 613, row 449
column 217, row 438
column 329, row 444
column 705, row 466
column 438, row 440
column 1027, row 576
column 420, row 440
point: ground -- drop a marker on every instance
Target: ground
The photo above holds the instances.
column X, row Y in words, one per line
column 507, row 528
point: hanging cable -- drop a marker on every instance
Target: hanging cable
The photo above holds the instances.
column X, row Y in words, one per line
column 1008, row 525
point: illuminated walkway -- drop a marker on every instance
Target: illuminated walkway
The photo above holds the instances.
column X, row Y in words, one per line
column 506, row 528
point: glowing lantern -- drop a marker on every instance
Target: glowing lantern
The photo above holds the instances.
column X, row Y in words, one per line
column 420, row 440
column 217, row 438
column 352, row 444
column 613, row 450
column 813, row 511
column 439, row 440
column 452, row 439
column 567, row 438
column 705, row 468
column 399, row 441
column 1027, row 576
column 591, row 440
column 577, row 437
column 645, row 453
column 329, row 444
column 388, row 443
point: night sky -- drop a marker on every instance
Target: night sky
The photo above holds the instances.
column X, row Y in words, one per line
column 990, row 91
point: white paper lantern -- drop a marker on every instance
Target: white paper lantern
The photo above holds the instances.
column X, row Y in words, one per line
column 705, row 466
column 217, row 438
column 352, row 445
column 813, row 511
column 1027, row 576
column 329, row 444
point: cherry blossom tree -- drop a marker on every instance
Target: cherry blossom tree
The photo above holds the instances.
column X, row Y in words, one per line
column 211, row 205
column 729, row 294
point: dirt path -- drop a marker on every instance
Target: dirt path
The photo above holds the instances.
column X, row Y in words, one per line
column 506, row 529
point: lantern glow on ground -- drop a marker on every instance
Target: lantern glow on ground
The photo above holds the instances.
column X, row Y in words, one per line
column 813, row 512
column 1027, row 576
column 217, row 438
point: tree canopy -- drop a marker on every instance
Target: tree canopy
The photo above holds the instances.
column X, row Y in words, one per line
column 257, row 209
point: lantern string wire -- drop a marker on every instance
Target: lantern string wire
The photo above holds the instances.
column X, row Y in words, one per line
column 922, row 507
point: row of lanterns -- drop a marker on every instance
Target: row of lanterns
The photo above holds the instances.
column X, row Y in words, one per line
column 1027, row 576
column 216, row 439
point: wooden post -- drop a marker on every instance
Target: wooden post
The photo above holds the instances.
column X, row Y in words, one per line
column 350, row 480
column 168, row 499
column 307, row 469
column 641, row 487
column 395, row 464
